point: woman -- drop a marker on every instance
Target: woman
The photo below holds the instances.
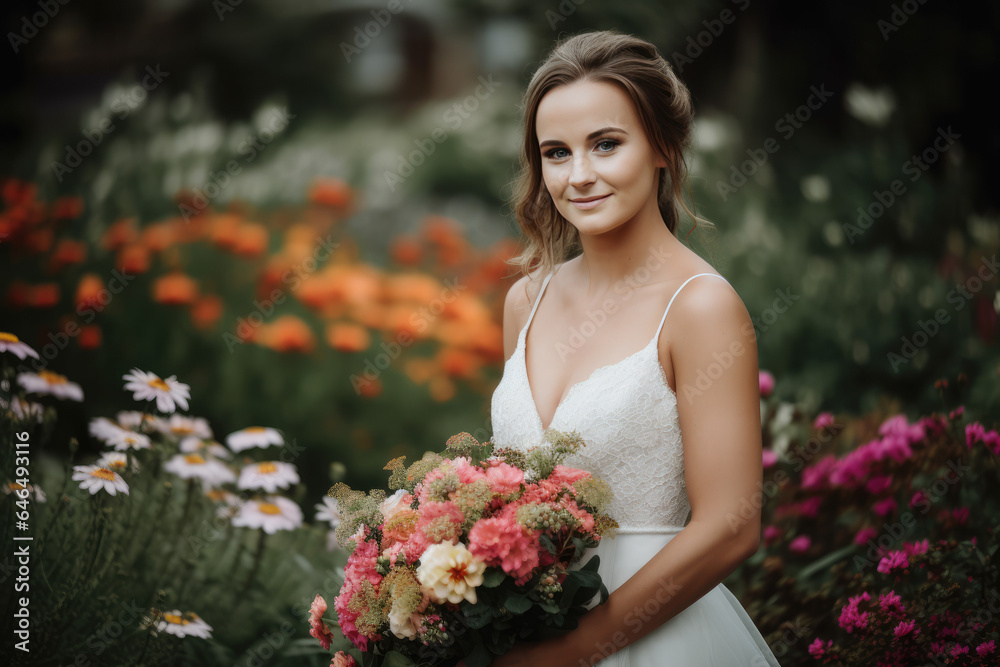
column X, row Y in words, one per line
column 606, row 125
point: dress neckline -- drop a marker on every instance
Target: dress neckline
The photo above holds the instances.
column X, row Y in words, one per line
column 523, row 344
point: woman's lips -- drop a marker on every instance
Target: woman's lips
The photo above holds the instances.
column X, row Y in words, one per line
column 587, row 205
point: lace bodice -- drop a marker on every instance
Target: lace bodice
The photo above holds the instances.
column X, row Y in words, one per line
column 627, row 415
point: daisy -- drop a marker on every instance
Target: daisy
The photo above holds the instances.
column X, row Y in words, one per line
column 10, row 343
column 327, row 511
column 182, row 426
column 272, row 513
column 209, row 471
column 187, row 624
column 268, row 475
column 168, row 393
column 123, row 439
column 117, row 461
column 195, row 445
column 230, row 502
column 95, row 478
column 253, row 436
column 140, row 421
column 47, row 382
column 24, row 410
column 14, row 487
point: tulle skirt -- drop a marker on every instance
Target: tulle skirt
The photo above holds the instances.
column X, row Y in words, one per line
column 714, row 631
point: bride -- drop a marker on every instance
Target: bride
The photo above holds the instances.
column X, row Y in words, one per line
column 606, row 125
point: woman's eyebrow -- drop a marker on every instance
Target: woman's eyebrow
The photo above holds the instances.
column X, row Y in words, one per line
column 595, row 133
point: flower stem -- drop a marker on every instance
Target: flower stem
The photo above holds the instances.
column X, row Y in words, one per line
column 257, row 558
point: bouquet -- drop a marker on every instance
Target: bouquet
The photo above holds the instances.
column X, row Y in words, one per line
column 474, row 551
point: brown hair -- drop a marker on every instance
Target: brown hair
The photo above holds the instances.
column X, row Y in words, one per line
column 662, row 102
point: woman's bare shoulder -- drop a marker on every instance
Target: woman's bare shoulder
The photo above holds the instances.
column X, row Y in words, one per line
column 517, row 305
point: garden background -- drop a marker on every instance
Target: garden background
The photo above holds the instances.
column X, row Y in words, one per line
column 301, row 209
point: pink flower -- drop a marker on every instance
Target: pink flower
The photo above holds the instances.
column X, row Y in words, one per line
column 851, row 618
column 564, row 475
column 341, row 659
column 766, row 383
column 769, row 458
column 885, row 506
column 467, row 473
column 891, row 603
column 823, row 420
column 817, row 650
column 800, row 544
column 918, row 497
column 504, row 542
column 879, row 484
column 957, row 412
column 892, row 561
column 904, row 628
column 771, row 534
column 986, row 648
column 974, row 432
column 317, row 627
column 961, row 514
column 504, row 479
column 815, row 476
column 916, row 548
column 811, row 506
column 959, row 650
column 865, row 534
column 898, row 426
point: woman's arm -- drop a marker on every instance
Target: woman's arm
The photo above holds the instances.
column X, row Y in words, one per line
column 720, row 424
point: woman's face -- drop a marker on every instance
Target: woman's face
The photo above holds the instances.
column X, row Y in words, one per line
column 593, row 145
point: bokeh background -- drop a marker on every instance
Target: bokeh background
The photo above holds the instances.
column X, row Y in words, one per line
column 309, row 203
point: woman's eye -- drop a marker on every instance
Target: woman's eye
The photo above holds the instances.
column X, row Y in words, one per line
column 551, row 153
column 608, row 141
column 612, row 144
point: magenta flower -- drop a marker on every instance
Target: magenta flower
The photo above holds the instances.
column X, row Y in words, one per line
column 885, row 506
column 904, row 628
column 769, row 458
column 772, row 534
column 892, row 561
column 918, row 497
column 865, row 534
column 766, row 383
column 823, row 420
column 817, row 650
column 879, row 484
column 986, row 648
column 851, row 618
column 800, row 544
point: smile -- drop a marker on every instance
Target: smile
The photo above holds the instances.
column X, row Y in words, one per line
column 587, row 205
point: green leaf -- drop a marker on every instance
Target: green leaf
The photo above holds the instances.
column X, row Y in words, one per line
column 825, row 562
column 517, row 604
column 397, row 659
column 493, row 577
column 478, row 615
column 479, row 657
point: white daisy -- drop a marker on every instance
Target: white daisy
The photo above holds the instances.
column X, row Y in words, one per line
column 182, row 426
column 268, row 475
column 148, row 386
column 209, row 471
column 229, row 502
column 253, row 436
column 33, row 489
column 125, row 439
column 272, row 513
column 195, row 445
column 140, row 421
column 24, row 410
column 95, row 478
column 47, row 382
column 117, row 461
column 187, row 624
column 10, row 343
column 327, row 511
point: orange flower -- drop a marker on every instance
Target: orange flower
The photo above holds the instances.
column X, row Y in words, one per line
column 133, row 259
column 90, row 337
column 420, row 370
column 19, row 293
column 67, row 208
column 121, row 233
column 368, row 388
column 348, row 337
column 288, row 334
column 251, row 240
column 158, row 237
column 17, row 192
column 175, row 289
column 406, row 250
column 315, row 290
column 206, row 311
column 40, row 240
column 44, row 295
column 456, row 362
column 442, row 389
column 330, row 192
column 225, row 230
column 417, row 287
column 88, row 293
column 67, row 252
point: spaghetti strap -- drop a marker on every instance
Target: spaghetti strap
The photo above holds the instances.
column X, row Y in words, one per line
column 537, row 300
column 664, row 318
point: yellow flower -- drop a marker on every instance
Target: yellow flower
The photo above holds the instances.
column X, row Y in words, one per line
column 450, row 572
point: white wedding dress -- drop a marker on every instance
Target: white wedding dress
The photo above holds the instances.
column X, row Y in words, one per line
column 627, row 415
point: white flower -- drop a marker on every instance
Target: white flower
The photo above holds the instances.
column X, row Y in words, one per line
column 209, row 471
column 188, row 624
column 182, row 426
column 24, row 410
column 869, row 105
column 117, row 461
column 268, row 475
column 230, row 502
column 47, row 382
column 139, row 420
column 95, row 478
column 328, row 511
column 253, row 436
column 450, row 572
column 273, row 513
column 10, row 343
column 401, row 621
column 149, row 386
column 393, row 504
column 14, row 487
column 118, row 437
column 195, row 445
